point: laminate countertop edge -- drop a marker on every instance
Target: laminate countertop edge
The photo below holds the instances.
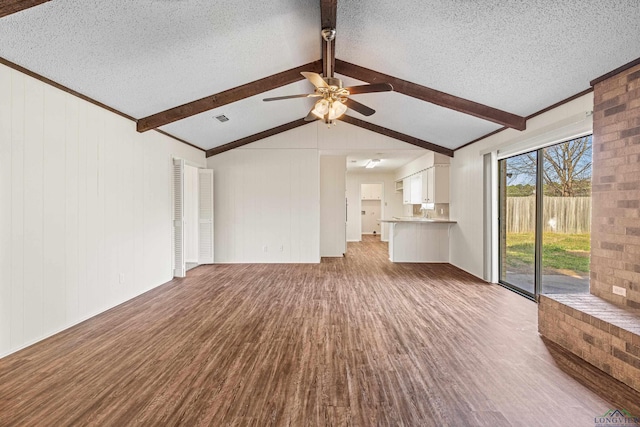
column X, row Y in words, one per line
column 421, row 221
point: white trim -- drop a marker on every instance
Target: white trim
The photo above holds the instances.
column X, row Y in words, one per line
column 572, row 127
column 190, row 163
column 495, row 223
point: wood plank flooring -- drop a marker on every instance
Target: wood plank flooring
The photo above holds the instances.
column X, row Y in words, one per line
column 355, row 341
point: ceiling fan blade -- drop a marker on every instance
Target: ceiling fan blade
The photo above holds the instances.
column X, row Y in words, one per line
column 304, row 95
column 315, row 78
column 310, row 117
column 376, row 87
column 360, row 108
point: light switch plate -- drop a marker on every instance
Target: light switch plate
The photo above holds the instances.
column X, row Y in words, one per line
column 620, row 291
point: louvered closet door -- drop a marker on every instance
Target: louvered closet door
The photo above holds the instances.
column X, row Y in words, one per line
column 179, row 267
column 205, row 212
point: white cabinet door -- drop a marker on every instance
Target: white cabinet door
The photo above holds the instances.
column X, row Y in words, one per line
column 406, row 191
column 416, row 189
column 375, row 191
column 371, row 192
column 435, row 185
column 428, row 180
column 365, row 190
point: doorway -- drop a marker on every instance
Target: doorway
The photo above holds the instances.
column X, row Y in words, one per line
column 192, row 189
column 371, row 209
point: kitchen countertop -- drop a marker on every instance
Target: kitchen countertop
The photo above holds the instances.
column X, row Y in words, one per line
column 418, row 219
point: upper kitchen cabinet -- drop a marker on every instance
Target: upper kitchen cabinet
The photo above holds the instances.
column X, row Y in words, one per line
column 406, row 191
column 416, row 189
column 371, row 192
column 435, row 184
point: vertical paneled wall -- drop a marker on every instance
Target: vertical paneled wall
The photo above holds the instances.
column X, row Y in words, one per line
column 85, row 213
column 333, row 238
column 615, row 226
column 267, row 203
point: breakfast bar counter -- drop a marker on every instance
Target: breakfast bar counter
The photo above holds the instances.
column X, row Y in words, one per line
column 414, row 239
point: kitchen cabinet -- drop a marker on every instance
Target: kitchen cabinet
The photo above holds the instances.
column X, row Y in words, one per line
column 435, row 184
column 406, row 191
column 371, row 192
column 419, row 241
column 416, row 189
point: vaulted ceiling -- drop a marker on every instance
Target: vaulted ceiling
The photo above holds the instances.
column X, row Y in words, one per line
column 460, row 69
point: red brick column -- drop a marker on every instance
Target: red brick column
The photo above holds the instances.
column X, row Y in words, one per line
column 615, row 230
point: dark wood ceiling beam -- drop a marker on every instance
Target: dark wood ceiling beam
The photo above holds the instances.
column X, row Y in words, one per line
column 227, row 97
column 256, row 137
column 433, row 96
column 529, row 117
column 397, row 135
column 13, row 6
column 614, row 72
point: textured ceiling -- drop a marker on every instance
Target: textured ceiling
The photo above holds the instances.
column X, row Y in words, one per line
column 141, row 57
column 519, row 56
column 144, row 56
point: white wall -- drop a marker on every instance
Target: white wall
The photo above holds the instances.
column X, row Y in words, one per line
column 268, row 198
column 370, row 220
column 267, row 193
column 466, row 207
column 333, row 238
column 391, row 202
column 84, row 199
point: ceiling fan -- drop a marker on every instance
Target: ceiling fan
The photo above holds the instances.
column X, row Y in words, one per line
column 334, row 99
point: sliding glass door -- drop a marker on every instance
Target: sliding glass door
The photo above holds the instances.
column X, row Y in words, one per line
column 566, row 217
column 518, row 222
column 545, row 219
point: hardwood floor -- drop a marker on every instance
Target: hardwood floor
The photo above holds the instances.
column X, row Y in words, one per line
column 350, row 341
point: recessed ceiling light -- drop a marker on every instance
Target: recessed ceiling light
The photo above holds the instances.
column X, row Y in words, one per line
column 372, row 163
column 222, row 118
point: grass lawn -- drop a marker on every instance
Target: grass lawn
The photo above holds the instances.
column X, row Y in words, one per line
column 561, row 253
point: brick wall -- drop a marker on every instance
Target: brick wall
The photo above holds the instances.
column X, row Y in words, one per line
column 595, row 330
column 615, row 227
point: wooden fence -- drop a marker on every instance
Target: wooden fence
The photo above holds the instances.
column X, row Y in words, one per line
column 570, row 215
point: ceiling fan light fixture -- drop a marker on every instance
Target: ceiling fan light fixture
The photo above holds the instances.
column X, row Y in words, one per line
column 324, row 107
column 321, row 108
column 336, row 110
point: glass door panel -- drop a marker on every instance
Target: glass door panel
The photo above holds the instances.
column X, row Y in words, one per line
column 566, row 211
column 518, row 222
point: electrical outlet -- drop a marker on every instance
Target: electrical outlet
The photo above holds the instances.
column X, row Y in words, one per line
column 620, row 291
column 264, row 248
column 121, row 277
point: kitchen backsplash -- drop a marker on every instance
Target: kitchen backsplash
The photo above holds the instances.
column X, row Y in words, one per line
column 440, row 211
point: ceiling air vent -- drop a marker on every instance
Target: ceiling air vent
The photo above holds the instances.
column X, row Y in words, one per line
column 222, row 118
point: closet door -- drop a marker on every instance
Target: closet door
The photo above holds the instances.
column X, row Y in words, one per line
column 205, row 213
column 179, row 267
